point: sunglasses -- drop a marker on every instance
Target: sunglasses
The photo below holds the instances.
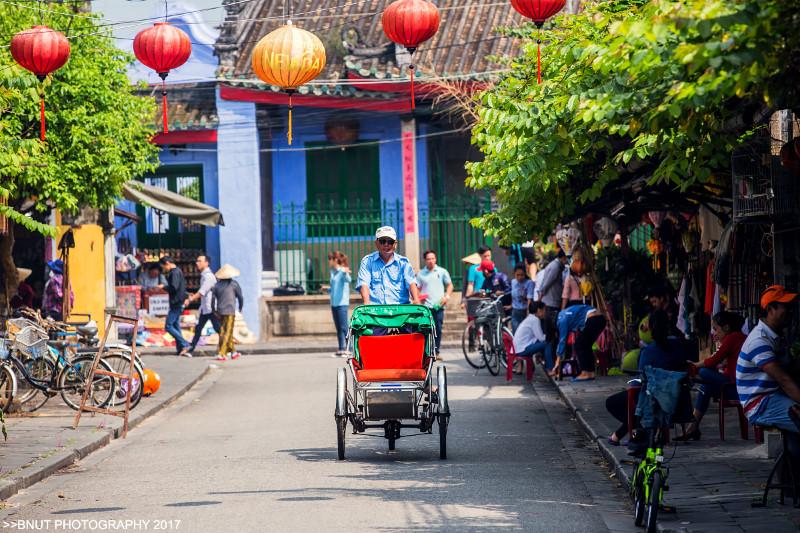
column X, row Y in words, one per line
column 384, row 240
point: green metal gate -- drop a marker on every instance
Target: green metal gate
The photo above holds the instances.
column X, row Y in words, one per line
column 304, row 235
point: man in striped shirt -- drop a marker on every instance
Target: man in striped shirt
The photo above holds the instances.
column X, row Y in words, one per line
column 769, row 395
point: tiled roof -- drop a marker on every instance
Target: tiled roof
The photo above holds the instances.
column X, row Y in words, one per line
column 189, row 106
column 354, row 39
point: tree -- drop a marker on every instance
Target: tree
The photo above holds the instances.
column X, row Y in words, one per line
column 98, row 129
column 660, row 89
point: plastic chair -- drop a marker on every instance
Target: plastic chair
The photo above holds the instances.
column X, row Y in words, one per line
column 786, row 465
column 511, row 357
column 728, row 398
column 633, row 398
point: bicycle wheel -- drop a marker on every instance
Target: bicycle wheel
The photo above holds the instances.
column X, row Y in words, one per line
column 651, row 514
column 8, row 388
column 120, row 362
column 72, row 383
column 637, row 488
column 470, row 345
column 491, row 352
column 30, row 398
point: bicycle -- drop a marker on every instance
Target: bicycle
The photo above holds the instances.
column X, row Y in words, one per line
column 648, row 483
column 492, row 334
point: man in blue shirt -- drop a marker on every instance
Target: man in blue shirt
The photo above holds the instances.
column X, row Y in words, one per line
column 494, row 281
column 588, row 323
column 435, row 283
column 386, row 277
column 474, row 276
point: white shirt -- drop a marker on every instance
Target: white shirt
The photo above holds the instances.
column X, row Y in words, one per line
column 528, row 332
column 207, row 282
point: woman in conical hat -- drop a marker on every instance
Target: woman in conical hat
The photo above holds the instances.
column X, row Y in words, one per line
column 227, row 272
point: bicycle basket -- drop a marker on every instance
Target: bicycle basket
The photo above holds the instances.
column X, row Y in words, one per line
column 473, row 304
column 30, row 340
column 15, row 325
column 489, row 309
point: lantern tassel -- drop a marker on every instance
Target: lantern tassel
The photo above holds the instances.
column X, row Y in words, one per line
column 539, row 60
column 164, row 106
column 289, row 132
column 413, row 101
column 41, row 117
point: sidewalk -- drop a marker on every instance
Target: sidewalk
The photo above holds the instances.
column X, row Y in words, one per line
column 712, row 482
column 44, row 442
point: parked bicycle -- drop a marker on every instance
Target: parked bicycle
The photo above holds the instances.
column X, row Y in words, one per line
column 649, row 482
column 485, row 338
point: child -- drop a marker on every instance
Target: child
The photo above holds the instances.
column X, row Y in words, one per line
column 521, row 296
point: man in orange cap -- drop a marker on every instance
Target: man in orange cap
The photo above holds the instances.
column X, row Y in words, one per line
column 769, row 395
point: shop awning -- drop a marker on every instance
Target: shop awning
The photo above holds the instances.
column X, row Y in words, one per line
column 172, row 203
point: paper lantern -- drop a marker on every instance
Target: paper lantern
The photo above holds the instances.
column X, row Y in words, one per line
column 410, row 23
column 288, row 57
column 605, row 228
column 41, row 50
column 538, row 11
column 162, row 47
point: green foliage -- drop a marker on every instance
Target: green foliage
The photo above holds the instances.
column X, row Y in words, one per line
column 661, row 89
column 98, row 130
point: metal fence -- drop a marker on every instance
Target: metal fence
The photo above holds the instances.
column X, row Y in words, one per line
column 304, row 235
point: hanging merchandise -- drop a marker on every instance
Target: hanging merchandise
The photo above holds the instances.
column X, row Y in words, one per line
column 410, row 23
column 567, row 237
column 538, row 11
column 41, row 50
column 288, row 58
column 162, row 47
column 605, row 228
column 657, row 217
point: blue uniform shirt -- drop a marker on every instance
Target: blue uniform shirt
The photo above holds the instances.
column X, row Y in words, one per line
column 388, row 282
column 571, row 319
column 521, row 293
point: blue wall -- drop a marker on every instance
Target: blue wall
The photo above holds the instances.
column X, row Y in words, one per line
column 289, row 167
column 240, row 200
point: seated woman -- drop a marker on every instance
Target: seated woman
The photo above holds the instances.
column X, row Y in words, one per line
column 664, row 352
column 727, row 330
column 530, row 339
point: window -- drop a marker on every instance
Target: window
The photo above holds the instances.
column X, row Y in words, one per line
column 162, row 230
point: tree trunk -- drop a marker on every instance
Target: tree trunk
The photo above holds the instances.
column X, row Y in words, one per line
column 10, row 274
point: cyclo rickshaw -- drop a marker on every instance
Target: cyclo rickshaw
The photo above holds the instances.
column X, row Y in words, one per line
column 393, row 385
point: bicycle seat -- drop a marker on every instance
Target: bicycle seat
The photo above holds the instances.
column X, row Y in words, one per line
column 86, row 331
column 58, row 345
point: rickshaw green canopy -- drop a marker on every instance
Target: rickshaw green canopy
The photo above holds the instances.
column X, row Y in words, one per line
column 418, row 317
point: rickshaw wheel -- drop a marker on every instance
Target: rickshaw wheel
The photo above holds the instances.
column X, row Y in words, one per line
column 443, row 421
column 341, row 429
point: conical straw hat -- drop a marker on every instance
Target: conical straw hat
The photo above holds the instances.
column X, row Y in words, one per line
column 23, row 273
column 473, row 259
column 227, row 272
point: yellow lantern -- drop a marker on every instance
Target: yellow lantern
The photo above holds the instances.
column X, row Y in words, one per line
column 288, row 57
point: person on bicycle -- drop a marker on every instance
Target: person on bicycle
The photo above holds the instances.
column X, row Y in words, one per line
column 494, row 281
column 384, row 276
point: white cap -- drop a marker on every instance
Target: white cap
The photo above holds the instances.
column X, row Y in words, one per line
column 386, row 231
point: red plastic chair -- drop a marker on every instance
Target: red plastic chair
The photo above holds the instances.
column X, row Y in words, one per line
column 511, row 357
column 633, row 399
column 729, row 397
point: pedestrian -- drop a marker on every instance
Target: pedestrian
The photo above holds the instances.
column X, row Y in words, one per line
column 341, row 277
column 521, row 296
column 530, row 339
column 494, row 281
column 588, row 323
column 474, row 277
column 436, row 286
column 549, row 292
column 53, row 301
column 767, row 391
column 176, row 288
column 384, row 276
column 207, row 282
column 225, row 295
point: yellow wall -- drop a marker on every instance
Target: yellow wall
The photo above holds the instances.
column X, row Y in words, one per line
column 87, row 272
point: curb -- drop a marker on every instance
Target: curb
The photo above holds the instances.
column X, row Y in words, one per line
column 605, row 450
column 48, row 466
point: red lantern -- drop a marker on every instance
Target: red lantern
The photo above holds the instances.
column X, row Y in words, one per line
column 410, row 23
column 41, row 50
column 538, row 11
column 162, row 48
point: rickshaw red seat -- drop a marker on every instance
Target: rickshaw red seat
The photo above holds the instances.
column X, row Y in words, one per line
column 391, row 357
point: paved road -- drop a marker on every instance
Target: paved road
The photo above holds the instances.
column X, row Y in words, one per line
column 252, row 448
